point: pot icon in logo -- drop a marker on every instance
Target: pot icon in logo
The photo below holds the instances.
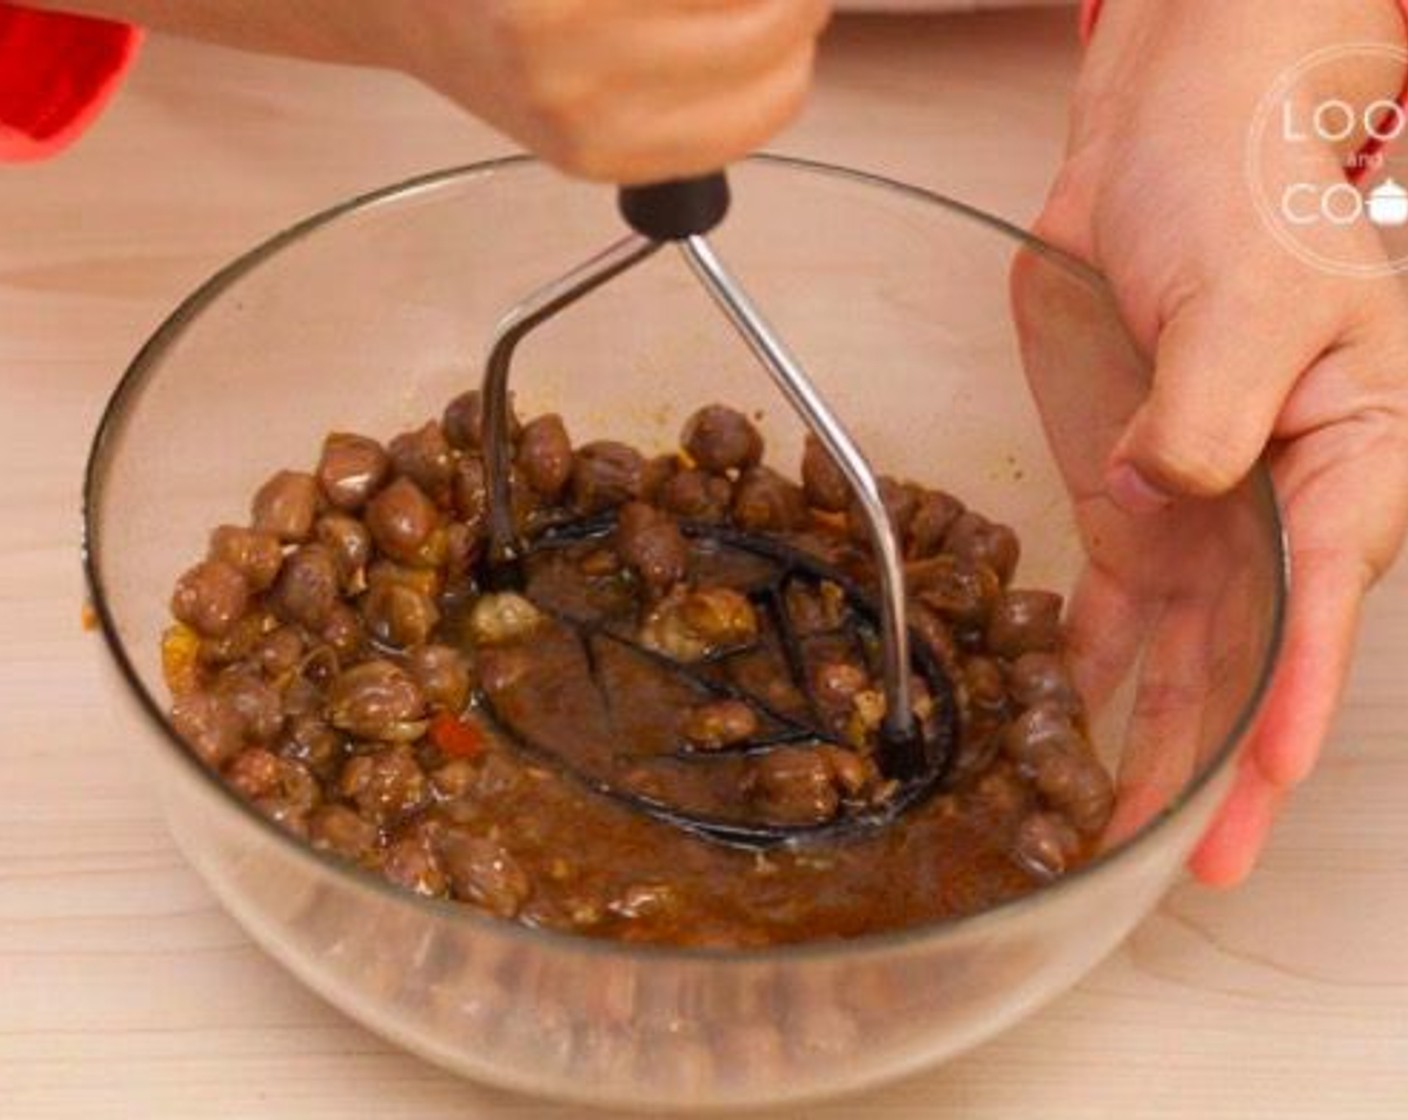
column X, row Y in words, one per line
column 1388, row 204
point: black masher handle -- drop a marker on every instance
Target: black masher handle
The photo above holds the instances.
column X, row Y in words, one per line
column 678, row 209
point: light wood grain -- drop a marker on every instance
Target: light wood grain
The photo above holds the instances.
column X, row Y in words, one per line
column 125, row 991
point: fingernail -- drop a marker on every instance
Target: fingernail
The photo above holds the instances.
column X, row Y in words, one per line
column 1134, row 493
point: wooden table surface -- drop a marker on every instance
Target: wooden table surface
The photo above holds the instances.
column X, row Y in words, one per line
column 126, row 992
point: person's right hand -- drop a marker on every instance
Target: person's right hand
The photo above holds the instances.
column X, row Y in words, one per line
column 620, row 90
column 625, row 91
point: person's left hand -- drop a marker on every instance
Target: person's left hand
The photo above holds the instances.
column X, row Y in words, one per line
column 1254, row 350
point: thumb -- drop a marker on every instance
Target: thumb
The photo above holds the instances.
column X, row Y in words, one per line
column 1225, row 361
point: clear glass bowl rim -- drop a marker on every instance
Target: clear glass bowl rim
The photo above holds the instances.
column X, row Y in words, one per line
column 149, row 358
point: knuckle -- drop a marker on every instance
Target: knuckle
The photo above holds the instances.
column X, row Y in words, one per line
column 1071, row 190
column 529, row 24
column 613, row 153
column 800, row 76
column 512, row 28
column 814, row 16
column 1197, row 460
column 569, row 111
column 585, row 159
column 531, row 38
column 601, row 165
column 785, row 95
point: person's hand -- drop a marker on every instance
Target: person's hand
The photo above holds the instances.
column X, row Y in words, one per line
column 624, row 91
column 1253, row 349
column 620, row 90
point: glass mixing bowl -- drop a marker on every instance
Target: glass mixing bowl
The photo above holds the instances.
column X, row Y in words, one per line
column 964, row 355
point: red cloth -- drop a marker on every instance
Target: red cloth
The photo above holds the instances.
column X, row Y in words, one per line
column 56, row 74
column 1089, row 13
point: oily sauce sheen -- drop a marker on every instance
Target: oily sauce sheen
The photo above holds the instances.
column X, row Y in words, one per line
column 338, row 663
